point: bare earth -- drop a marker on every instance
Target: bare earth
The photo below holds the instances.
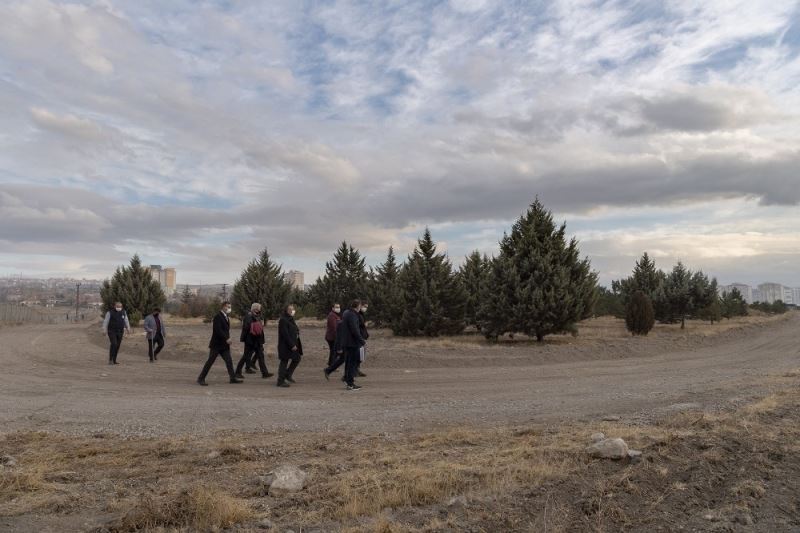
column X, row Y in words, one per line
column 55, row 377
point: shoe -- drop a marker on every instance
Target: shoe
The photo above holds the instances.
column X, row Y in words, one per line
column 327, row 374
column 237, row 380
column 290, row 380
column 250, row 370
column 151, row 360
column 353, row 387
column 202, row 382
column 238, row 375
column 267, row 375
column 284, row 384
column 361, row 374
column 116, row 363
column 155, row 358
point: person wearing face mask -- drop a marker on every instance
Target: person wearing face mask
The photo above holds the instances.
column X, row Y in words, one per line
column 253, row 338
column 351, row 343
column 362, row 326
column 334, row 317
column 220, row 345
column 155, row 333
column 115, row 324
column 290, row 349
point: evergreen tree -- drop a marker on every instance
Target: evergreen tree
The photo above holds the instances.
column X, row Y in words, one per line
column 384, row 293
column 261, row 282
column 432, row 298
column 135, row 288
column 609, row 303
column 541, row 284
column 473, row 274
column 345, row 280
column 704, row 298
column 678, row 295
column 648, row 279
column 733, row 304
column 639, row 316
column 186, row 295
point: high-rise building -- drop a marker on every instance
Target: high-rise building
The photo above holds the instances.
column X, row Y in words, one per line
column 745, row 290
column 770, row 292
column 171, row 280
column 165, row 277
column 295, row 278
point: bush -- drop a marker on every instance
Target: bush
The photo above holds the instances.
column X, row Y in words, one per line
column 640, row 317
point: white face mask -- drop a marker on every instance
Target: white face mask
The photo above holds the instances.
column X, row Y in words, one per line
column 118, row 309
column 337, row 310
column 363, row 309
column 227, row 310
column 292, row 312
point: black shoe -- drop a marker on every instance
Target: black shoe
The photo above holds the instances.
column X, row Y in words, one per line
column 284, row 384
column 151, row 360
column 202, row 382
column 361, row 374
column 327, row 374
column 116, row 363
column 236, row 380
column 353, row 387
column 267, row 375
column 250, row 370
column 238, row 375
column 290, row 380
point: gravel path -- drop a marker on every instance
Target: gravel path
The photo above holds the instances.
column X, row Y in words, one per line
column 55, row 378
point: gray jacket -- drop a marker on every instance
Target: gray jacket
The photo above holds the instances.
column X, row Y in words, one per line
column 150, row 327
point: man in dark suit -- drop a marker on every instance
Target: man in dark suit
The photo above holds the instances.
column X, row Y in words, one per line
column 352, row 342
column 290, row 348
column 220, row 344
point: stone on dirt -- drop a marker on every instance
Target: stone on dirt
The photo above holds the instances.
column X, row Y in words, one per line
column 608, row 449
column 286, row 479
column 8, row 460
column 597, row 437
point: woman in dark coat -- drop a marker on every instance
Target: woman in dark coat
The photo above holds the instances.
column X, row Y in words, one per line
column 290, row 349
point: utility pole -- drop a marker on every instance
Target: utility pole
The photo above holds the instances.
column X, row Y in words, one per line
column 224, row 291
column 77, row 300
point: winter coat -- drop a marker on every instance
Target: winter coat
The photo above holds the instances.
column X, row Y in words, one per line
column 220, row 333
column 288, row 337
column 351, row 333
column 150, row 326
column 246, row 337
column 333, row 321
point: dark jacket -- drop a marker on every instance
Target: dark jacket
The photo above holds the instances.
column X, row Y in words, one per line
column 362, row 326
column 351, row 333
column 246, row 337
column 220, row 333
column 333, row 321
column 288, row 337
column 340, row 335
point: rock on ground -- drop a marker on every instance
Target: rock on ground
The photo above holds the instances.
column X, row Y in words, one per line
column 608, row 449
column 286, row 479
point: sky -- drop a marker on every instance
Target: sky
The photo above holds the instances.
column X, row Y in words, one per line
column 197, row 133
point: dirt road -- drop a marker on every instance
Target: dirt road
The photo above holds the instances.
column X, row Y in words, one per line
column 55, row 377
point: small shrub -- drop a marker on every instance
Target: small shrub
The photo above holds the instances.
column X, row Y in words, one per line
column 639, row 317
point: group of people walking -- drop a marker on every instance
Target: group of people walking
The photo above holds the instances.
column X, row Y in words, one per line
column 346, row 334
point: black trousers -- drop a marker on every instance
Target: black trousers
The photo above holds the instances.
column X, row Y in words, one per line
column 352, row 358
column 212, row 356
column 331, row 354
column 287, row 367
column 251, row 355
column 115, row 338
column 338, row 361
column 157, row 343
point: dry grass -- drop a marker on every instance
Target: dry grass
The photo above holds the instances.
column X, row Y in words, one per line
column 402, row 483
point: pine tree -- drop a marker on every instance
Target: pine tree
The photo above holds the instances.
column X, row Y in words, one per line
column 186, row 295
column 432, row 299
column 135, row 288
column 384, row 293
column 648, row 279
column 639, row 316
column 473, row 274
column 677, row 292
column 733, row 304
column 544, row 287
column 261, row 282
column 345, row 280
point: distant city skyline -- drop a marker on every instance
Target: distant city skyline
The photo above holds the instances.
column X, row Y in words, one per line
column 198, row 135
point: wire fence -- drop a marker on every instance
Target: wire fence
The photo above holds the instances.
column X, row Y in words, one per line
column 21, row 314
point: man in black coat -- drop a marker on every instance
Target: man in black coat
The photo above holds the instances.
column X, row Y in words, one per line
column 362, row 326
column 290, row 349
column 253, row 338
column 220, row 344
column 352, row 342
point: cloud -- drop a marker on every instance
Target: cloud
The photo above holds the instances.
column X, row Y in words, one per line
column 200, row 132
